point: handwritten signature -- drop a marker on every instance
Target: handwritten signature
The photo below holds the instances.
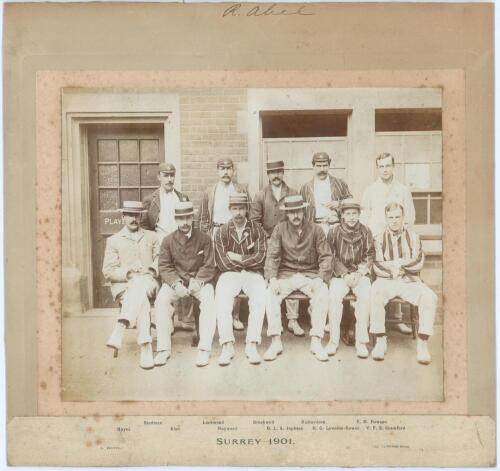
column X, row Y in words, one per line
column 236, row 9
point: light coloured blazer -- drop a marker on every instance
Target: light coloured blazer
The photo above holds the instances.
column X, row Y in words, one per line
column 123, row 252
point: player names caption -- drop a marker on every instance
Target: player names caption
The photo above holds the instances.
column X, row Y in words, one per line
column 276, row 431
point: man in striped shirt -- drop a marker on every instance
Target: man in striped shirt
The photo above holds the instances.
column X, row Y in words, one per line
column 324, row 193
column 398, row 261
column 353, row 252
column 240, row 252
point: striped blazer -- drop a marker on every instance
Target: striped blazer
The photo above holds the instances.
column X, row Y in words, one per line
column 353, row 250
column 404, row 248
column 339, row 191
column 252, row 247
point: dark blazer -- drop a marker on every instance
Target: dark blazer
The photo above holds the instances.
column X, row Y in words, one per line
column 152, row 205
column 182, row 259
column 266, row 210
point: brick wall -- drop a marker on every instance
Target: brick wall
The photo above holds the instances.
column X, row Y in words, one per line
column 208, row 119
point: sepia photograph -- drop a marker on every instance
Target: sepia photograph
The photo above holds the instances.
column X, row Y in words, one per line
column 252, row 244
column 262, row 229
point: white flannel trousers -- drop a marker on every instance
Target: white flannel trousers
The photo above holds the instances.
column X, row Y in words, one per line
column 136, row 305
column 317, row 293
column 338, row 289
column 229, row 285
column 416, row 293
column 164, row 311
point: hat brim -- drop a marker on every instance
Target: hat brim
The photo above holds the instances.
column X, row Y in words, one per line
column 184, row 214
column 132, row 211
column 349, row 206
column 302, row 206
column 277, row 169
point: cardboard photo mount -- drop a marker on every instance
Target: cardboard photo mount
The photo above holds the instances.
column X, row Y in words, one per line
column 459, row 431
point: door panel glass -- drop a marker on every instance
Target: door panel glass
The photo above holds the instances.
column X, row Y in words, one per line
column 108, row 199
column 129, row 150
column 129, row 175
column 149, row 150
column 108, row 175
column 149, row 175
column 129, row 194
column 107, row 150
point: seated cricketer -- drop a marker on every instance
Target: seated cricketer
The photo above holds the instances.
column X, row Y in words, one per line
column 398, row 261
column 298, row 258
column 266, row 210
column 186, row 268
column 352, row 247
column 240, row 251
column 130, row 264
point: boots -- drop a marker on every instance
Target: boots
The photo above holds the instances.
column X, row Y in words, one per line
column 161, row 357
column 227, row 354
column 252, row 353
column 378, row 352
column 317, row 349
column 361, row 350
column 275, row 349
column 423, row 355
column 146, row 356
column 294, row 326
column 115, row 340
column 202, row 358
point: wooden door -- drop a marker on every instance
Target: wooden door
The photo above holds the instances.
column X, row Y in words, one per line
column 123, row 163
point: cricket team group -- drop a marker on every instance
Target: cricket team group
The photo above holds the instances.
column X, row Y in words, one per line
column 317, row 241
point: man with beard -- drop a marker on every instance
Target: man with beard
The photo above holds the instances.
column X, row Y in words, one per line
column 130, row 264
column 214, row 211
column 324, row 193
column 186, row 267
column 398, row 261
column 266, row 210
column 384, row 190
column 240, row 251
column 159, row 217
column 352, row 247
column 298, row 258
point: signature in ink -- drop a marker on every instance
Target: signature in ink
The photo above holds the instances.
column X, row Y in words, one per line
column 236, row 9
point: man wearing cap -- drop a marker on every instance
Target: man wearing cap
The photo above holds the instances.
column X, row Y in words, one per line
column 214, row 210
column 384, row 190
column 398, row 261
column 130, row 264
column 186, row 267
column 266, row 210
column 352, row 247
column 159, row 217
column 240, row 251
column 324, row 193
column 298, row 258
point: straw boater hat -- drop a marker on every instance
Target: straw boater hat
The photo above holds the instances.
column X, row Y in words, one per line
column 275, row 165
column 135, row 207
column 321, row 157
column 238, row 198
column 225, row 163
column 345, row 206
column 292, row 203
column 184, row 208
